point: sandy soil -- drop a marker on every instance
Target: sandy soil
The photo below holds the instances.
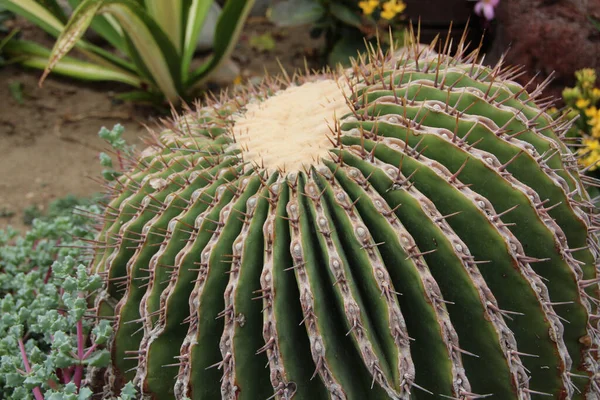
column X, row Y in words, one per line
column 49, row 142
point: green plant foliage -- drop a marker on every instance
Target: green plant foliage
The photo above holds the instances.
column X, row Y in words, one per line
column 49, row 346
column 158, row 39
column 443, row 245
column 582, row 108
column 62, row 207
column 6, row 34
column 5, row 15
column 594, row 22
column 344, row 24
column 42, row 298
column 123, row 151
column 264, row 42
column 16, row 91
column 583, row 104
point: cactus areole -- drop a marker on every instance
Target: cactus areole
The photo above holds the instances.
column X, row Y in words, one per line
column 411, row 228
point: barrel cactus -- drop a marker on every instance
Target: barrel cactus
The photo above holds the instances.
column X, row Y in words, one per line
column 414, row 227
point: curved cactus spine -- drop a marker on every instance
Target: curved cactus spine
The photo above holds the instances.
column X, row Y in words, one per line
column 318, row 334
column 141, row 251
column 390, row 360
column 393, row 368
column 508, row 252
column 197, row 365
column 237, row 344
column 439, row 336
column 283, row 341
column 163, row 323
column 432, row 238
column 385, row 107
column 475, row 292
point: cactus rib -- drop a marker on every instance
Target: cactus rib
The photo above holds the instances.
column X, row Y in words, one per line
column 413, row 227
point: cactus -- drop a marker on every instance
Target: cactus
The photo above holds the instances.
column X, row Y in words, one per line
column 414, row 227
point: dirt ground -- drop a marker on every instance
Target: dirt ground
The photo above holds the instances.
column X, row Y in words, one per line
column 49, row 142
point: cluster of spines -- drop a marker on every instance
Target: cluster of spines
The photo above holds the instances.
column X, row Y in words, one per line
column 574, row 193
column 162, row 239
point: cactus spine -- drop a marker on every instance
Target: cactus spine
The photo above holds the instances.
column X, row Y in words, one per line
column 433, row 238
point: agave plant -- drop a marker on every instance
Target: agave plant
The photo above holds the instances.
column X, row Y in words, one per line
column 157, row 39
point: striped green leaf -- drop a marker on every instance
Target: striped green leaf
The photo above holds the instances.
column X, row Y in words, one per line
column 73, row 31
column 196, row 15
column 168, row 15
column 227, row 32
column 153, row 47
column 55, row 8
column 107, row 27
column 33, row 55
column 36, row 13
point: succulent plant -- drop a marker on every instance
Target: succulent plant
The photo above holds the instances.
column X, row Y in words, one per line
column 414, row 227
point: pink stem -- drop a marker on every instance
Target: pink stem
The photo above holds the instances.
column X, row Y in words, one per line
column 80, row 339
column 36, row 390
column 90, row 351
column 79, row 368
column 52, row 384
column 66, row 375
column 48, row 274
column 78, row 375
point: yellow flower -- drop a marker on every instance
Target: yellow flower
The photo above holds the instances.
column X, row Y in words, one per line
column 589, row 160
column 237, row 80
column 391, row 8
column 368, row 6
column 594, row 120
column 582, row 103
column 591, row 145
column 594, row 117
column 595, row 94
column 591, row 112
column 586, row 77
column 590, row 153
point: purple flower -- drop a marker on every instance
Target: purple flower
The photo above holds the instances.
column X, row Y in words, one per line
column 486, row 7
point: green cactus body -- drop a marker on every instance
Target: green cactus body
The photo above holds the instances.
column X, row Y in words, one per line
column 413, row 229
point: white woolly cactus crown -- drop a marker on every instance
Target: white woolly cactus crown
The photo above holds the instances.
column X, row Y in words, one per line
column 412, row 228
column 291, row 129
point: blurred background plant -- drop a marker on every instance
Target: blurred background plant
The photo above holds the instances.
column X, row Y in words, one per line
column 6, row 33
column 582, row 104
column 344, row 24
column 153, row 42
